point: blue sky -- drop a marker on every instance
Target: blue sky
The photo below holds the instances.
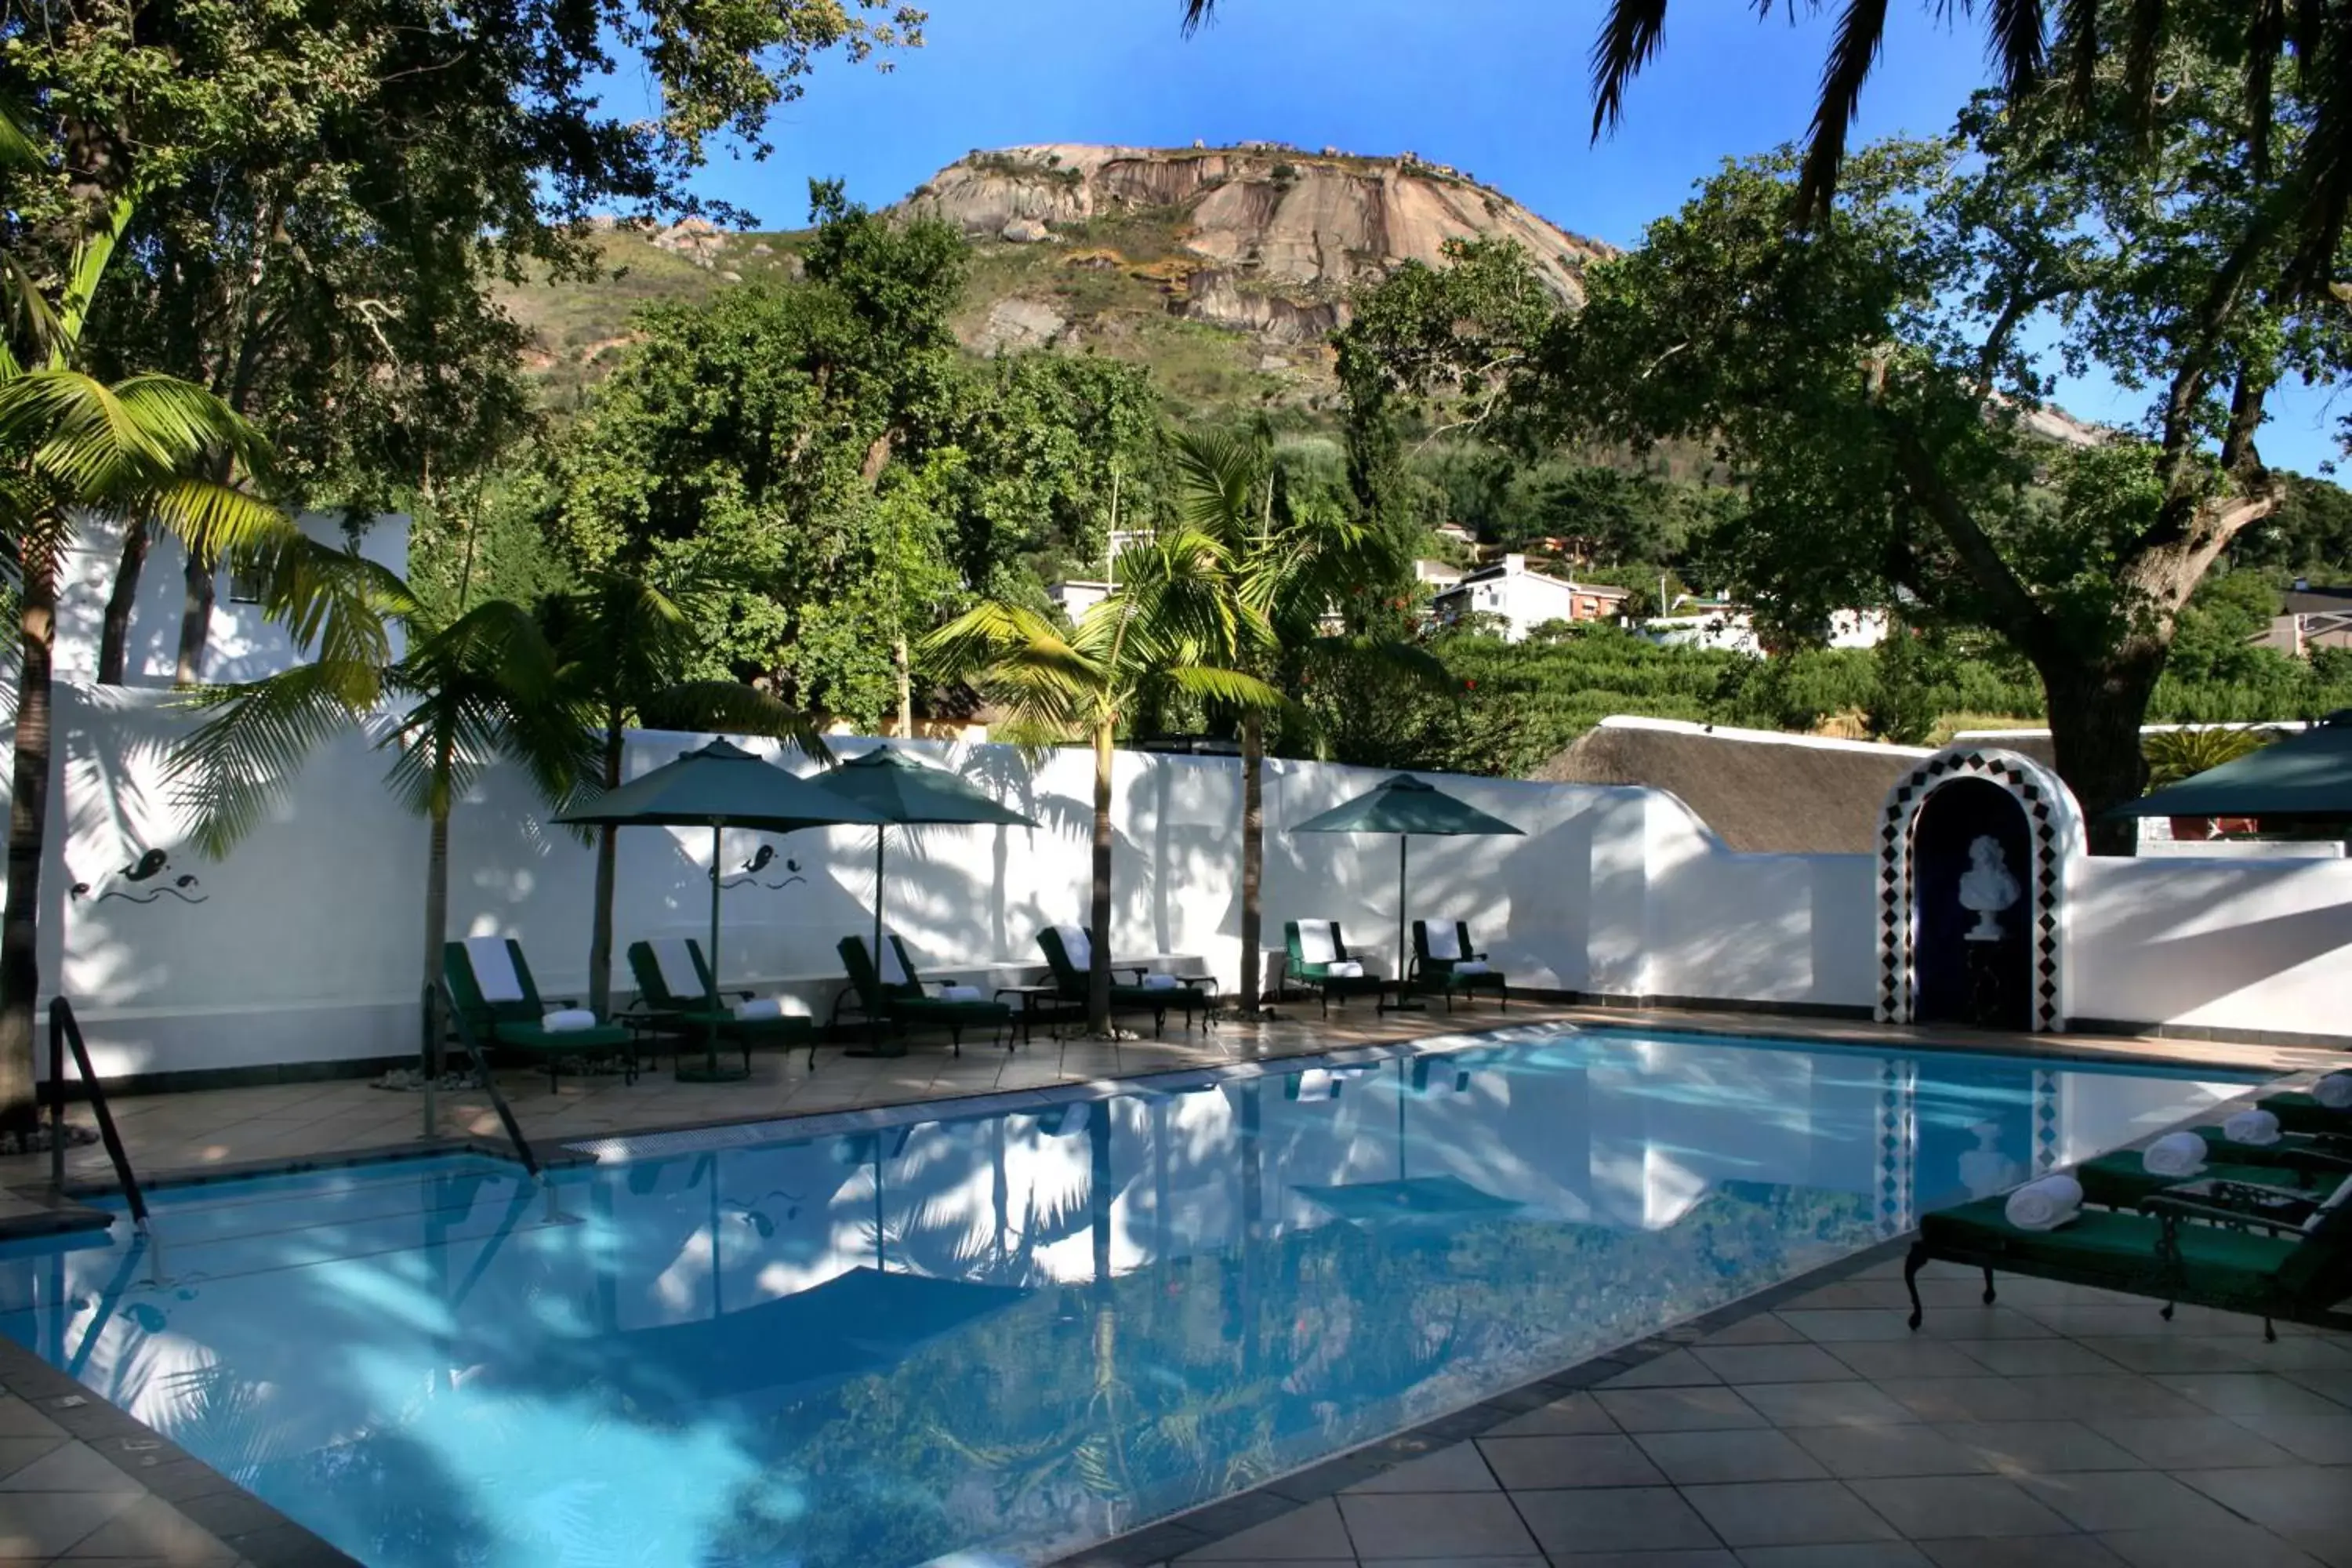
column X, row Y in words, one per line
column 1493, row 87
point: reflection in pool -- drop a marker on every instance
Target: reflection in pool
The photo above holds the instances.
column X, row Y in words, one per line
column 1014, row 1332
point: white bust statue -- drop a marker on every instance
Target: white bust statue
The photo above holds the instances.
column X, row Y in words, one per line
column 1986, row 888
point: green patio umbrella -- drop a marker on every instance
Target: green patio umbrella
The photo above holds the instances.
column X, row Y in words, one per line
column 1404, row 805
column 2303, row 778
column 718, row 786
column 903, row 793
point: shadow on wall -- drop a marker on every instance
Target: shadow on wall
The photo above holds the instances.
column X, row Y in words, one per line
column 2245, row 944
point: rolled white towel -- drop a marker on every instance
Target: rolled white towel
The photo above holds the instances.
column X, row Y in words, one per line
column 960, row 994
column 2251, row 1127
column 2176, row 1154
column 1160, row 982
column 565, row 1019
column 2335, row 1091
column 1346, row 966
column 2044, row 1204
column 1474, row 966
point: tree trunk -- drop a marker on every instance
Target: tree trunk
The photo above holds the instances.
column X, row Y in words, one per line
column 1253, row 856
column 600, row 934
column 437, row 931
column 28, row 816
column 196, row 622
column 904, row 664
column 1098, row 914
column 114, row 636
column 2096, row 712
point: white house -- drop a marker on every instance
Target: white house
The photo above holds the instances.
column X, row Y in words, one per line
column 243, row 644
column 1436, row 574
column 1079, row 595
column 1526, row 599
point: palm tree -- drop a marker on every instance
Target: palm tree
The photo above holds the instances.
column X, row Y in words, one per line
column 1177, row 615
column 1296, row 569
column 149, row 445
column 626, row 646
column 467, row 693
column 2024, row 39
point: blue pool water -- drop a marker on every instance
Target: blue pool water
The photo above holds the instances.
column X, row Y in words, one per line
column 1005, row 1335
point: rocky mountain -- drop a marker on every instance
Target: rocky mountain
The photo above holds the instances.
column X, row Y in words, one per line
column 1222, row 268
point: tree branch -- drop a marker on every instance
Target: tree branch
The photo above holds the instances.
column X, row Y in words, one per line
column 2196, row 370
column 2014, row 608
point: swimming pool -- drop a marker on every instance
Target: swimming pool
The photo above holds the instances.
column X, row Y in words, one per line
column 1007, row 1333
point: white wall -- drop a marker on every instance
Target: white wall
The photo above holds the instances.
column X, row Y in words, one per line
column 243, row 646
column 305, row 944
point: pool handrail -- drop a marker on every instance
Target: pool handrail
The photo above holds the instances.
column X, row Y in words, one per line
column 466, row 1037
column 65, row 1031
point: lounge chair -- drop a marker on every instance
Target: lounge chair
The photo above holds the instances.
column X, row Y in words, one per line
column 1318, row 960
column 2239, row 1264
column 1071, row 962
column 1459, row 969
column 2297, row 1112
column 902, row 1004
column 674, row 988
column 490, row 985
column 2123, row 1181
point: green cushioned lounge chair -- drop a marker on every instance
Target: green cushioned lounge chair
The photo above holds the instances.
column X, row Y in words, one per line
column 2297, row 1112
column 904, row 1005
column 1187, row 995
column 507, row 1010
column 1319, row 974
column 2123, row 1181
column 1446, row 976
column 684, row 1017
column 2166, row 1252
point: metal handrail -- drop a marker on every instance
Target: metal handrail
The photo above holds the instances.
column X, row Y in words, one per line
column 482, row 1070
column 64, row 1032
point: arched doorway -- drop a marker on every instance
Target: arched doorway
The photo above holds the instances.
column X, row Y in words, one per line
column 1946, row 952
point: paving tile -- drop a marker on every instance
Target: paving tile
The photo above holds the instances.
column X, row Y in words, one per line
column 1985, row 1399
column 2022, row 1551
column 1701, row 1557
column 1763, row 1329
column 1847, row 1554
column 2129, row 1500
column 2251, row 1393
column 2167, row 1354
column 1773, row 1363
column 15, row 1453
column 1528, row 1464
column 1614, row 1519
column 18, row 1418
column 2334, row 1385
column 2296, row 1352
column 2309, row 1505
column 37, row 1525
column 1312, row 1531
column 1847, row 1326
column 152, row 1528
column 1863, row 1451
column 2176, row 1442
column 2072, row 1397
column 1908, row 1359
column 1822, row 1403
column 1678, row 1409
column 2316, row 1440
column 69, row 1468
column 1923, row 1507
column 2234, row 1545
column 1982, row 1323
column 2039, row 1358
column 1787, row 1513
column 1578, row 1414
column 2039, row 1447
column 1455, row 1469
column 1676, row 1369
column 1425, row 1525
column 1697, row 1458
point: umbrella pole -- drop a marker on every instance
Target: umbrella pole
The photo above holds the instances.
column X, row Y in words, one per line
column 1403, row 1003
column 874, row 1043
column 710, row 1071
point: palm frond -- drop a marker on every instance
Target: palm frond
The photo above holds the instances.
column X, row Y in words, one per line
column 2078, row 37
column 1198, row 14
column 228, row 772
column 1230, row 687
column 19, row 151
column 1630, row 37
column 1409, row 660
column 2143, row 44
column 2018, row 30
column 215, row 520
column 735, row 709
column 1860, row 30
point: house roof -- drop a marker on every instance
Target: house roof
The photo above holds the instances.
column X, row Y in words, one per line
column 1761, row 792
column 1502, row 569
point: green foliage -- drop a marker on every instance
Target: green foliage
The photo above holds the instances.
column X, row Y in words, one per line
column 1903, row 703
column 2176, row 754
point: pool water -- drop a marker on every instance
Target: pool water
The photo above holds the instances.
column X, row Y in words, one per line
column 1014, row 1334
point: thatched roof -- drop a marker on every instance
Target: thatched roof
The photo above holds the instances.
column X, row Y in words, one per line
column 1760, row 791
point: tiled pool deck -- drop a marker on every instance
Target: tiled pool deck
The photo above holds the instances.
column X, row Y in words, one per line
column 1808, row 1426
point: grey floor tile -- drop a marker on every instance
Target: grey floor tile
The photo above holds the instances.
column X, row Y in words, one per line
column 2234, row 1546
column 1823, row 1403
column 1532, row 1464
column 2039, row 1358
column 1614, row 1519
column 1986, row 1398
column 1763, row 1329
column 1699, row 1557
column 1676, row 1369
column 2022, row 1551
column 2310, row 1505
column 1698, row 1458
column 1787, row 1513
column 2314, row 1439
column 1926, row 1507
column 1848, row 1555
column 2071, row 1397
column 1580, row 1414
column 2331, row 1384
column 1679, row 1409
column 1844, row 1326
column 1859, row 1451
column 69, row 1468
column 2171, row 1353
column 1982, row 1323
column 15, row 1453
column 2039, row 1447
column 152, row 1529
column 2296, row 1352
column 1908, row 1359
column 2251, row 1393
column 37, row 1525
column 1455, row 1469
column 18, row 1418
column 1427, row 1525
column 1311, row 1531
column 2193, row 1442
column 1773, row 1363
column 2129, row 1500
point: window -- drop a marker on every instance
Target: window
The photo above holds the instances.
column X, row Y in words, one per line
column 247, row 585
